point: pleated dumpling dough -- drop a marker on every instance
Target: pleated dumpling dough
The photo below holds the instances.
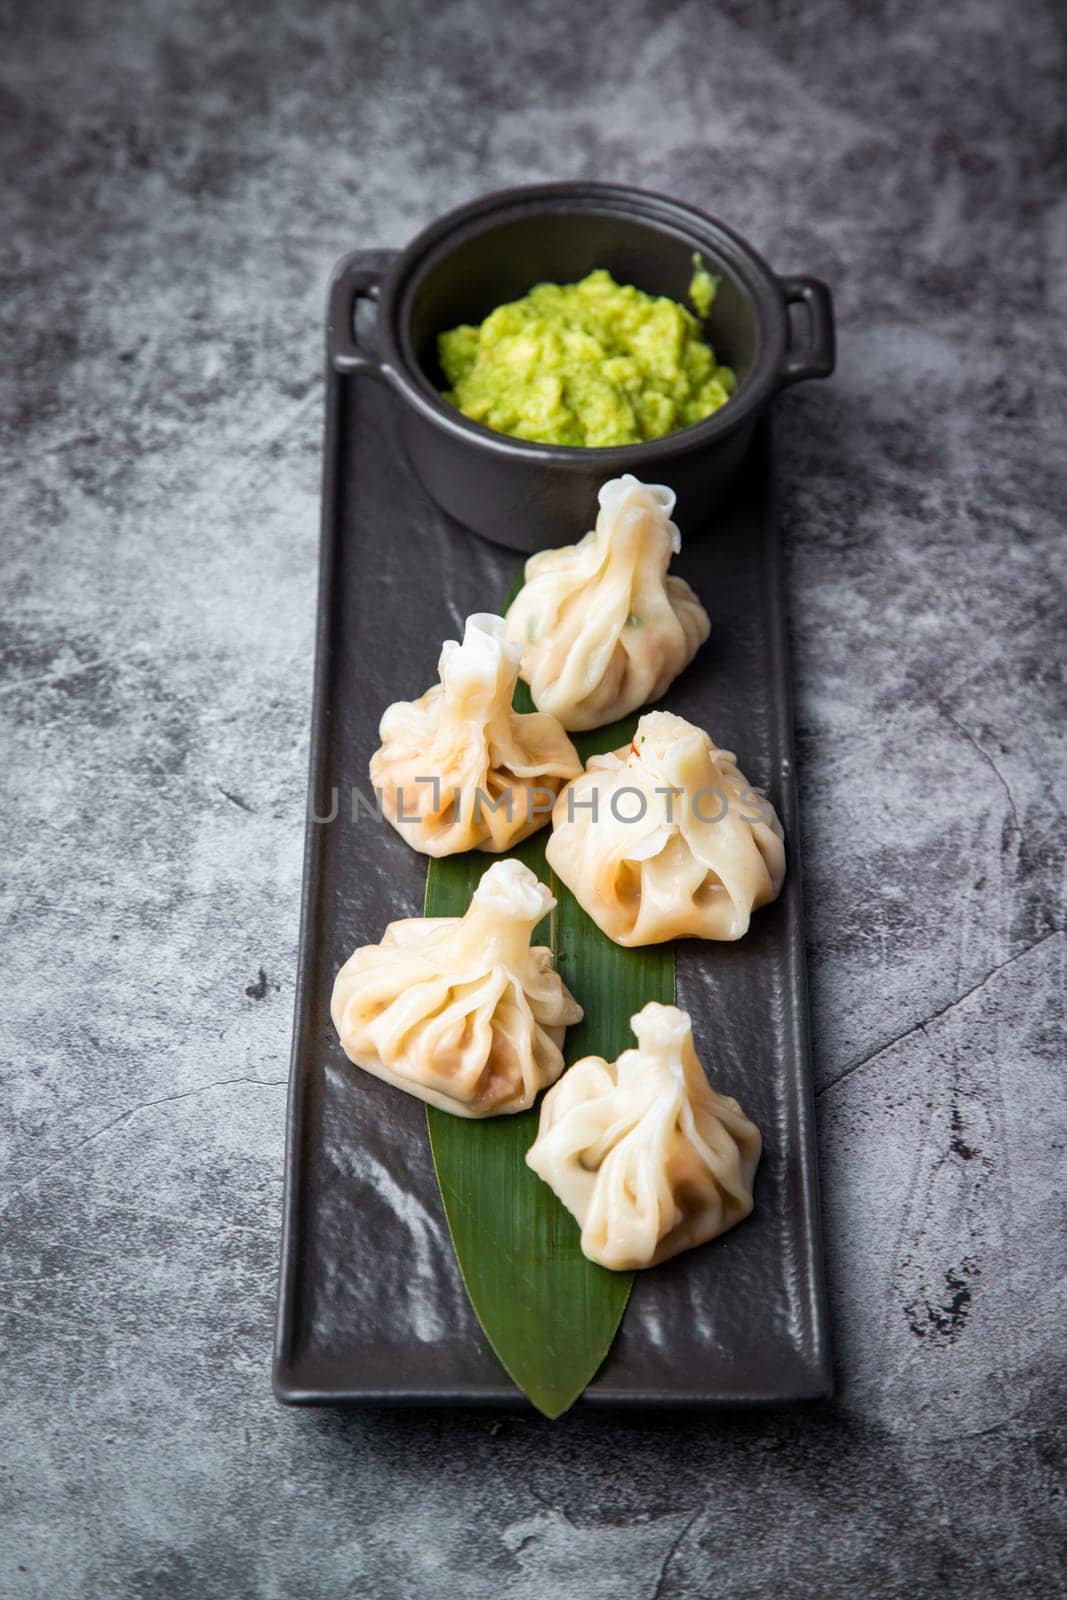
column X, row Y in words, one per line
column 644, row 1154
column 665, row 839
column 461, row 1011
column 602, row 626
column 458, row 769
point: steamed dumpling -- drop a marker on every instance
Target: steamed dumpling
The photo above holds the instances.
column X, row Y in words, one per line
column 461, row 1011
column 458, row 769
column 602, row 626
column 644, row 1154
column 665, row 839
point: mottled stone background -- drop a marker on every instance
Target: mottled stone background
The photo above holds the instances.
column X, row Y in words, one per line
column 179, row 177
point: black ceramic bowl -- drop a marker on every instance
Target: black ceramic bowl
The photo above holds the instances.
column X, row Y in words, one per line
column 473, row 259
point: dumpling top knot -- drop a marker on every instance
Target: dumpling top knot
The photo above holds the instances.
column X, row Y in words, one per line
column 628, row 493
column 664, row 1036
column 663, row 743
column 510, row 889
column 661, row 1030
column 485, row 656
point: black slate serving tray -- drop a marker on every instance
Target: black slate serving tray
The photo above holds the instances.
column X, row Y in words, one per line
column 371, row 1304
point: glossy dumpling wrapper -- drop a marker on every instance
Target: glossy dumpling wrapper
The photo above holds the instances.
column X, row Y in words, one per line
column 665, row 839
column 603, row 627
column 645, row 1155
column 459, row 769
column 461, row 1011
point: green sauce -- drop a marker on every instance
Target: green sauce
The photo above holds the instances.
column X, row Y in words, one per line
column 590, row 363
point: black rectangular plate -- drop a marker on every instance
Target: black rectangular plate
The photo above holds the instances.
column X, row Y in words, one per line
column 372, row 1308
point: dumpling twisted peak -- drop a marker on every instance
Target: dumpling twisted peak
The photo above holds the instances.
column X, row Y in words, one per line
column 484, row 666
column 461, row 1011
column 509, row 890
column 459, row 769
column 646, row 1156
column 661, row 1033
column 628, row 494
column 602, row 625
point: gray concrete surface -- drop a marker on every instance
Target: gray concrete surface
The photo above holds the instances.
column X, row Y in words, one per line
column 178, row 179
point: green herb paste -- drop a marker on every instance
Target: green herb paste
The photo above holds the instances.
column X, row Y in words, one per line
column 590, row 363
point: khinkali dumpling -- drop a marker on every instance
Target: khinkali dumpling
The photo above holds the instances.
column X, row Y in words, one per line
column 642, row 1151
column 461, row 1011
column 665, row 839
column 603, row 629
column 448, row 759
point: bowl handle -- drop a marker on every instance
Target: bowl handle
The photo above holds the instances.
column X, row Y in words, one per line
column 355, row 279
column 817, row 359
